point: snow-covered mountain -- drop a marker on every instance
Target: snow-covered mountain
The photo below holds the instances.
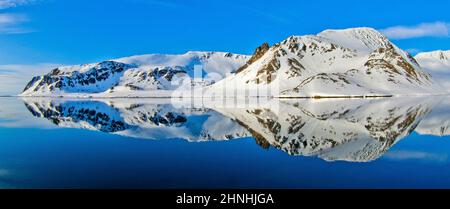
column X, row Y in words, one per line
column 437, row 63
column 151, row 75
column 351, row 62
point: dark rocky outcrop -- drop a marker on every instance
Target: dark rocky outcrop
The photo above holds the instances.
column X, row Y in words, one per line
column 70, row 81
column 259, row 52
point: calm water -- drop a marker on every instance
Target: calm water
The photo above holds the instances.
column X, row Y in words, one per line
column 149, row 143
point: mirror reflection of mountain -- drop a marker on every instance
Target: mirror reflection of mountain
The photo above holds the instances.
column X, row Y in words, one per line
column 349, row 130
column 140, row 120
column 437, row 123
column 353, row 130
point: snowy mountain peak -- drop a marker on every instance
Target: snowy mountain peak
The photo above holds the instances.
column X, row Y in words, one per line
column 212, row 62
column 259, row 52
column 188, row 58
column 437, row 55
column 124, row 76
column 437, row 63
column 333, row 63
column 361, row 39
column 350, row 62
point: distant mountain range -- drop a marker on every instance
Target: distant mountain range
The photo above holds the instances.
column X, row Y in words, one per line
column 437, row 63
column 333, row 63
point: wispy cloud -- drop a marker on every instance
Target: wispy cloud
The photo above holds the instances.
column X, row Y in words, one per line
column 12, row 23
column 401, row 155
column 13, row 78
column 11, row 19
column 436, row 29
column 5, row 4
column 35, row 69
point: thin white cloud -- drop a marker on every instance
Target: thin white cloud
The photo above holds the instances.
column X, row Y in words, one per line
column 436, row 29
column 12, row 19
column 13, row 78
column 15, row 30
column 414, row 155
column 37, row 69
column 5, row 4
column 12, row 23
column 13, row 114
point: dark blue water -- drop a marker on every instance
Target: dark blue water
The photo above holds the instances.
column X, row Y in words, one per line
column 37, row 153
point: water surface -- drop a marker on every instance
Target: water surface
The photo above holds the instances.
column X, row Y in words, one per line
column 157, row 143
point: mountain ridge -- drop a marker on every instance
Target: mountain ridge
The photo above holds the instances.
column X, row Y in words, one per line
column 437, row 63
column 150, row 72
column 334, row 63
column 349, row 62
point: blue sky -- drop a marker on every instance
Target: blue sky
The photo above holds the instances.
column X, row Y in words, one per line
column 35, row 34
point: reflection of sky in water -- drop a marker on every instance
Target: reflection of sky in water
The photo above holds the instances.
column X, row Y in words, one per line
column 421, row 148
column 77, row 158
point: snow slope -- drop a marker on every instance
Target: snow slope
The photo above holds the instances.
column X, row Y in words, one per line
column 146, row 75
column 437, row 63
column 351, row 62
column 333, row 63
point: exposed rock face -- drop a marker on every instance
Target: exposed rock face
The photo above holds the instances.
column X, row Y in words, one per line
column 158, row 78
column 92, row 78
column 259, row 52
column 391, row 62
